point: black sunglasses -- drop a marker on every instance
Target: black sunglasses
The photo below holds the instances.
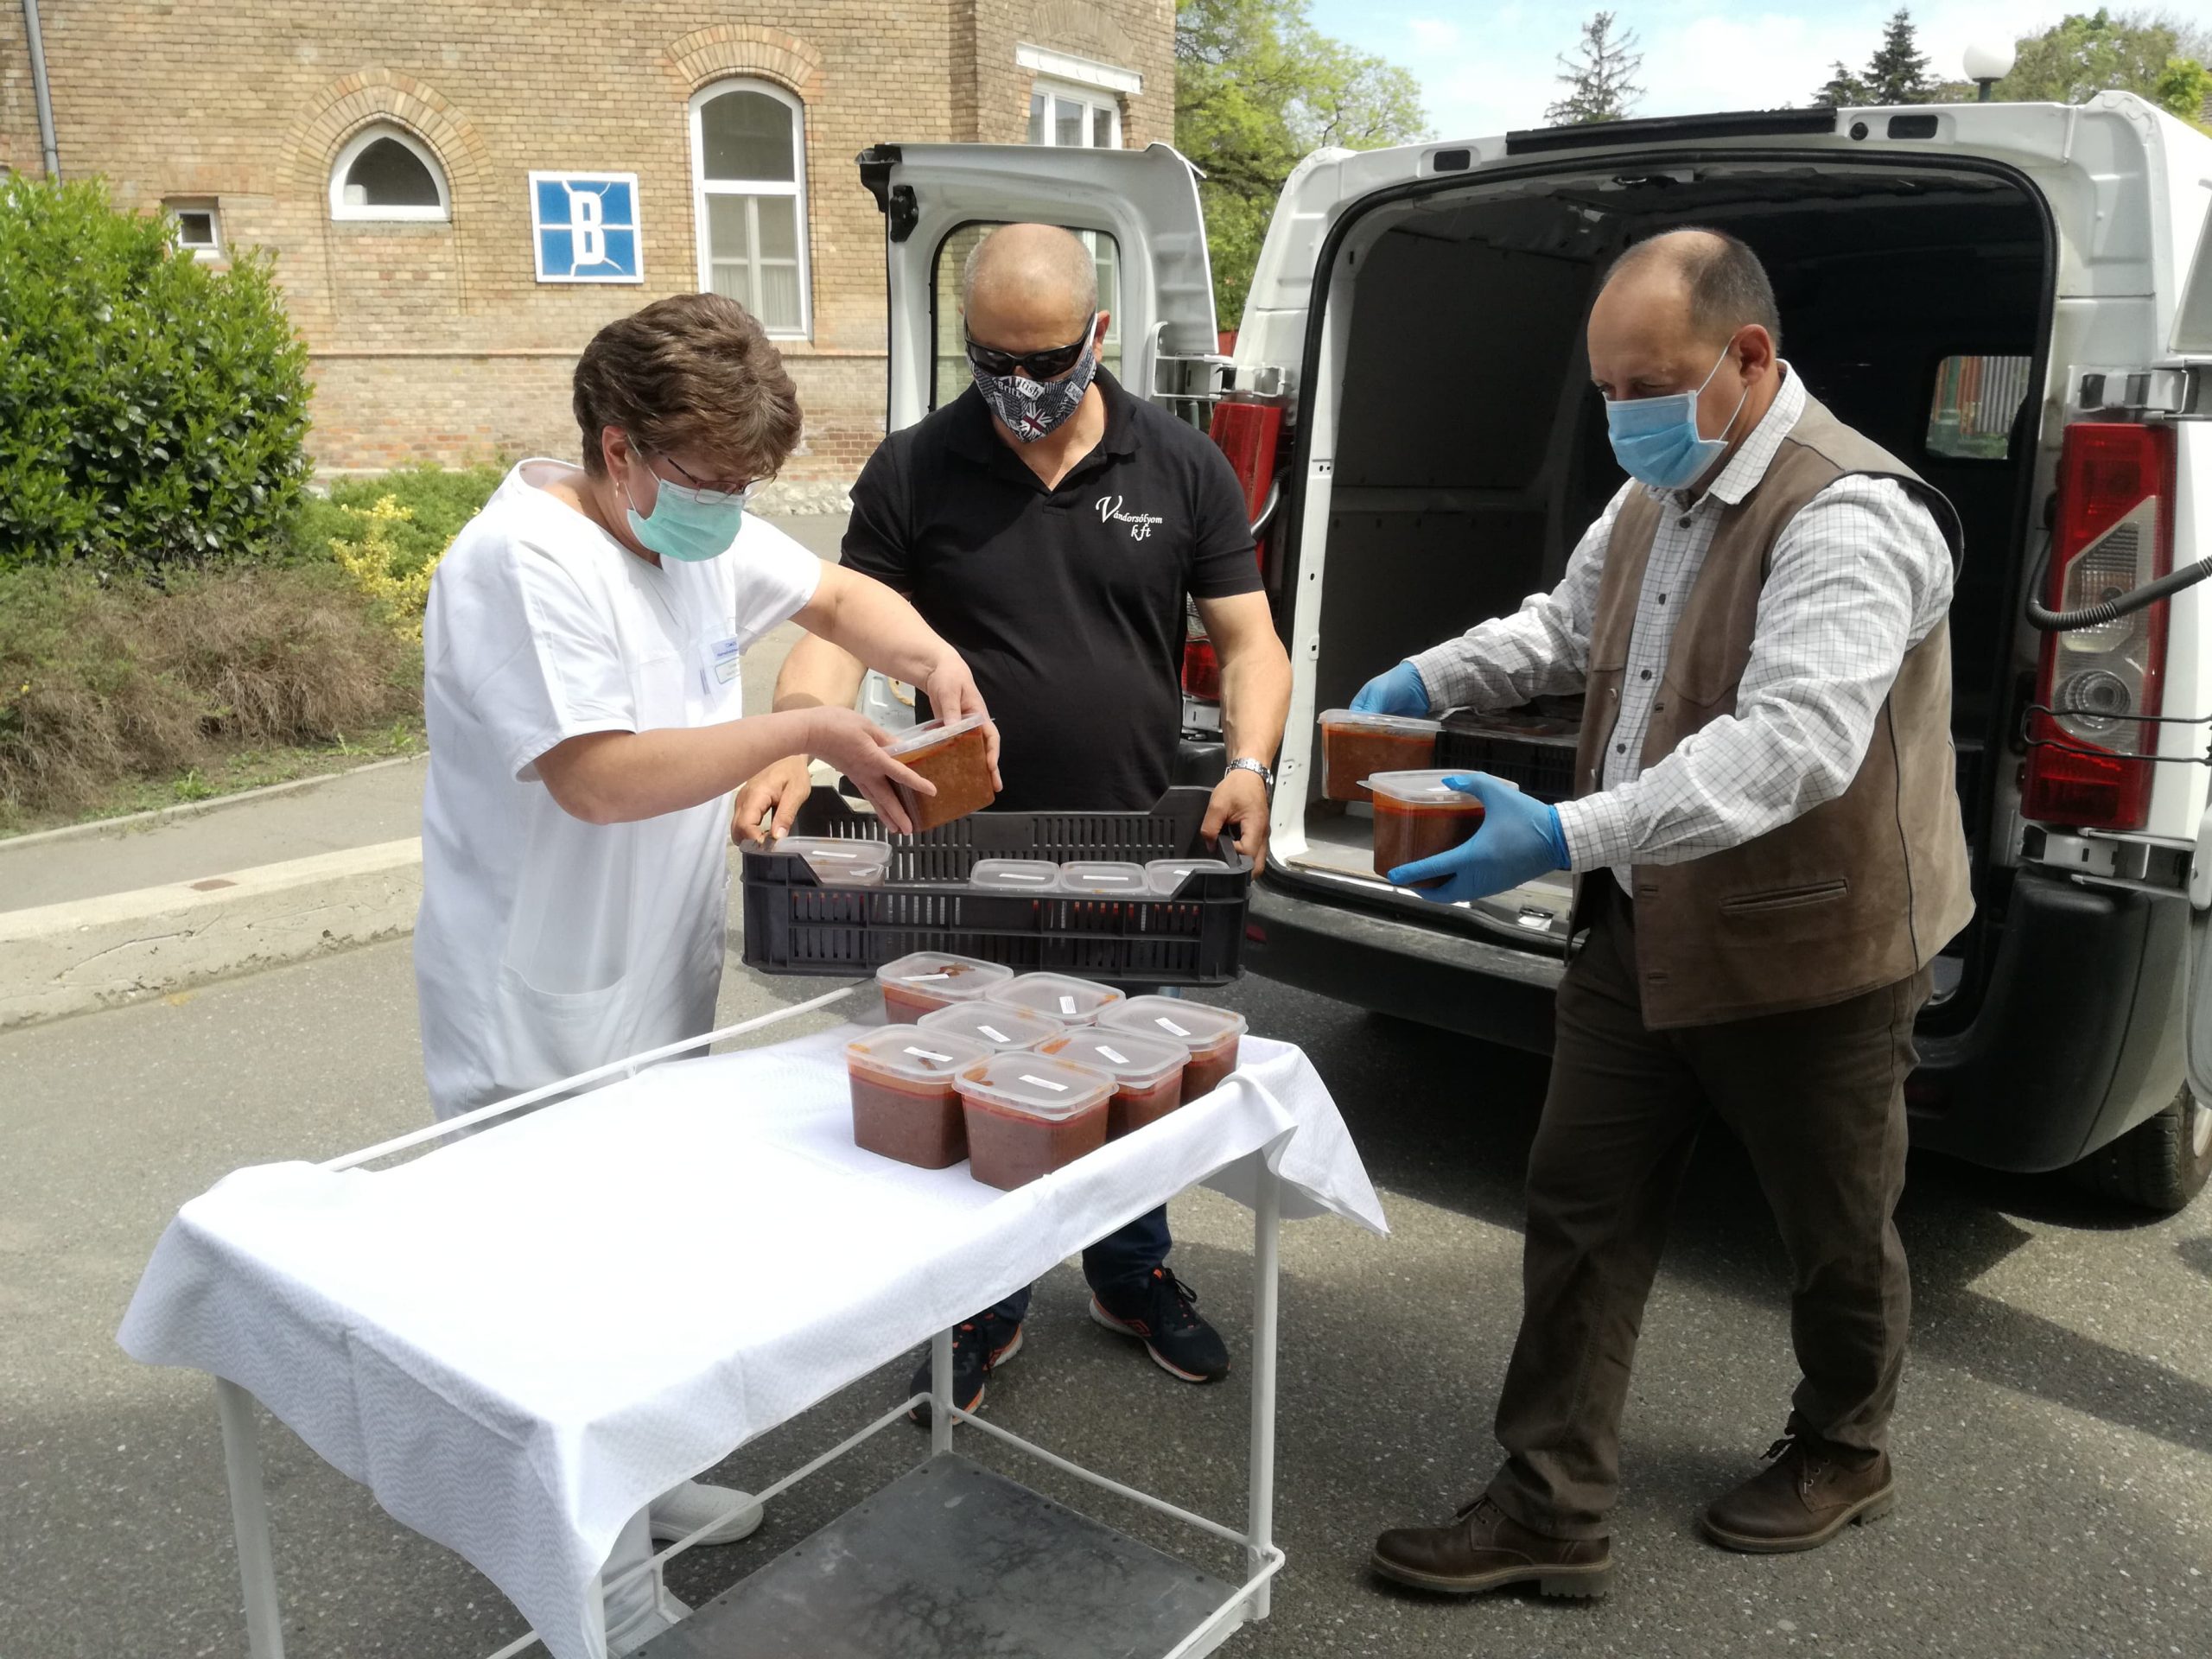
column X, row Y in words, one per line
column 1041, row 365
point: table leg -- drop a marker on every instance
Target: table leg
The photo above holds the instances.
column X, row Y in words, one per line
column 941, row 1393
column 1260, row 1510
column 265, row 1630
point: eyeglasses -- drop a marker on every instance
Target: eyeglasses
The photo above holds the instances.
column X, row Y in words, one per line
column 1039, row 365
column 746, row 488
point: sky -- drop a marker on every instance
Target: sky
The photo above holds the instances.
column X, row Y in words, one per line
column 1489, row 68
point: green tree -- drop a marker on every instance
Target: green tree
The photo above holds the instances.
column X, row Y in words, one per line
column 1898, row 73
column 1600, row 79
column 1844, row 90
column 2147, row 52
column 1257, row 88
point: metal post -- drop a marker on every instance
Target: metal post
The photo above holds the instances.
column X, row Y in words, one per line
column 265, row 1630
column 1260, row 1510
column 40, row 96
column 941, row 1393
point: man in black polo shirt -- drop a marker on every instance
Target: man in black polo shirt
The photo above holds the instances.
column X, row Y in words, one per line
column 1051, row 527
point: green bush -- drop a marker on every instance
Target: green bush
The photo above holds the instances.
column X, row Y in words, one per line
column 152, row 411
column 439, row 500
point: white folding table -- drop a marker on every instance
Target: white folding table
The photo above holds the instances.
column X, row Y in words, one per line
column 451, row 1331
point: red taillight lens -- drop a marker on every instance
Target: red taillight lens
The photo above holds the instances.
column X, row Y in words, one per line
column 1248, row 433
column 1201, row 671
column 2114, row 532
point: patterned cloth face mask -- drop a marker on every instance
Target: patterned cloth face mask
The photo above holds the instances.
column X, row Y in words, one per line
column 1032, row 409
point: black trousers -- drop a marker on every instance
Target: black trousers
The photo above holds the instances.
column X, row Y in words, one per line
column 1817, row 1098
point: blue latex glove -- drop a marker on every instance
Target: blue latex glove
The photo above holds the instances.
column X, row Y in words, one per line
column 1520, row 837
column 1398, row 692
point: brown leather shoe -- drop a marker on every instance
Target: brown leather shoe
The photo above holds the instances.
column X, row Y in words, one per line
column 1809, row 1493
column 1484, row 1549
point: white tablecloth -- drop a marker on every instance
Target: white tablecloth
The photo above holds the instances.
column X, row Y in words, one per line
column 519, row 1340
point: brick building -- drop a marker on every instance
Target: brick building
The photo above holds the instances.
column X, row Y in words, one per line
column 460, row 192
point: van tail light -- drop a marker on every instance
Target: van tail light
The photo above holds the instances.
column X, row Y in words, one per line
column 2098, row 691
column 1201, row 668
column 1249, row 433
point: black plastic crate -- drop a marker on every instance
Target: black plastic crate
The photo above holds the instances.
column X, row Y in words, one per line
column 795, row 926
column 1541, row 764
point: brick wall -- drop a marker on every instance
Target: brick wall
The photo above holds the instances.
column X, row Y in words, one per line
column 434, row 339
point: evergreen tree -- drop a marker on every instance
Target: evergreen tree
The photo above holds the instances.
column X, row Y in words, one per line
column 1898, row 73
column 1599, row 78
column 1844, row 90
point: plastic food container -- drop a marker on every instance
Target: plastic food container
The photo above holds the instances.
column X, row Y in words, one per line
column 1163, row 875
column 1147, row 1072
column 1015, row 876
column 840, row 863
column 932, row 979
column 1356, row 746
column 905, row 1105
column 1416, row 816
column 956, row 758
column 994, row 1024
column 1071, row 1001
column 1104, row 879
column 1027, row 1116
column 1212, row 1035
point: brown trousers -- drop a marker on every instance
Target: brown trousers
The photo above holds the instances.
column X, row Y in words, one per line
column 1817, row 1098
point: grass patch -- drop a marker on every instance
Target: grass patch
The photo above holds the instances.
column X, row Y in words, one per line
column 110, row 687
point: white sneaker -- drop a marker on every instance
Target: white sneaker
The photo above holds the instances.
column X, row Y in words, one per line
column 680, row 1513
column 655, row 1618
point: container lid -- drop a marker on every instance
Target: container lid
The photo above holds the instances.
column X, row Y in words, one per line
column 907, row 1051
column 1166, row 875
column 1105, row 875
column 1395, row 725
column 1074, row 1001
column 994, row 1023
column 1127, row 1055
column 1035, row 1086
column 1015, row 876
column 931, row 733
column 1422, row 788
column 937, row 973
column 835, row 859
column 1199, row 1027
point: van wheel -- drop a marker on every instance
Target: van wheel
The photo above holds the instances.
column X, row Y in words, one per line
column 2160, row 1164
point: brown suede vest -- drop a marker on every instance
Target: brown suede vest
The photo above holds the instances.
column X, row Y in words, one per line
column 1859, row 892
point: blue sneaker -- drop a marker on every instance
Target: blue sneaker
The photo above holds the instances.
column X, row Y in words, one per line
column 1159, row 1311
column 979, row 1345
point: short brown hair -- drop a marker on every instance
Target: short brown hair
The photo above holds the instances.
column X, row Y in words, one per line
column 692, row 371
column 1728, row 287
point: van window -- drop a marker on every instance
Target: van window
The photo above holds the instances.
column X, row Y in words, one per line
column 1977, row 399
column 952, row 373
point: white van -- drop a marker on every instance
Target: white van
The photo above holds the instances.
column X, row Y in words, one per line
column 2016, row 299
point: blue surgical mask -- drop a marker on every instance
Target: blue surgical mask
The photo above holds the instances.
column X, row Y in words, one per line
column 688, row 524
column 1656, row 439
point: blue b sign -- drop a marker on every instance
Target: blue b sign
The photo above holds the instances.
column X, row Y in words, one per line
column 586, row 227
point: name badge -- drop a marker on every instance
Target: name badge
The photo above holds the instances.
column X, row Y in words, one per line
column 721, row 665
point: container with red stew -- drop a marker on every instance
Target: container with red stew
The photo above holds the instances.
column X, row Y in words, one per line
column 905, row 1105
column 1416, row 816
column 932, row 979
column 1211, row 1035
column 954, row 755
column 1147, row 1072
column 994, row 1023
column 1072, row 1001
column 1028, row 1115
column 1354, row 746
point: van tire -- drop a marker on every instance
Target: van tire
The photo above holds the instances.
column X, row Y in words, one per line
column 2160, row 1164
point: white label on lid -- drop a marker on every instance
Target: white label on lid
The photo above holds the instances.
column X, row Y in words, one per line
column 1114, row 1054
column 1023, row 875
column 995, row 1033
column 925, row 1054
column 1167, row 1025
column 1067, row 1005
column 1046, row 1083
column 918, row 979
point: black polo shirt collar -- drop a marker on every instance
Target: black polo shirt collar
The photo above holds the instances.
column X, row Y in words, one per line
column 975, row 436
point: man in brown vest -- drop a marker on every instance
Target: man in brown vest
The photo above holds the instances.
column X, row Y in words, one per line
column 1768, row 855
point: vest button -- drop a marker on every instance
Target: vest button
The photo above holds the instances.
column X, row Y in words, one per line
column 1620, row 748
column 1682, row 522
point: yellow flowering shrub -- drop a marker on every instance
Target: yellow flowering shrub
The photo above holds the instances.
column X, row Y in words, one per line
column 379, row 566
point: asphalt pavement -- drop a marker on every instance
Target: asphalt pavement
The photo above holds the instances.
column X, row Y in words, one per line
column 2054, row 1448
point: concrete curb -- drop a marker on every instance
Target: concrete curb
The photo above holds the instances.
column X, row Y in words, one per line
column 137, row 823
column 94, row 953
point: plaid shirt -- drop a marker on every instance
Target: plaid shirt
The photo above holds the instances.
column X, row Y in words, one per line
column 1858, row 577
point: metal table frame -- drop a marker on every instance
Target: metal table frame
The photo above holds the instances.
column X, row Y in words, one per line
column 1250, row 1602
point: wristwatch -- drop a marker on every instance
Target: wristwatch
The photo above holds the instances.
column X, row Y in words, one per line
column 1246, row 763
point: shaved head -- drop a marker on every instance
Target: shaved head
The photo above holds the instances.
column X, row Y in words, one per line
column 1719, row 283
column 1034, row 276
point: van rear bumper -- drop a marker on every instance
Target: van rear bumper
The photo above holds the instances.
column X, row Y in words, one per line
column 2073, row 1042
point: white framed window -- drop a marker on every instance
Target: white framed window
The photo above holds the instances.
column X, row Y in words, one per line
column 199, row 225
column 386, row 172
column 1068, row 117
column 748, row 184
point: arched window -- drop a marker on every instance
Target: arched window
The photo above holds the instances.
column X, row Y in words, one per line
column 749, row 180
column 387, row 172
